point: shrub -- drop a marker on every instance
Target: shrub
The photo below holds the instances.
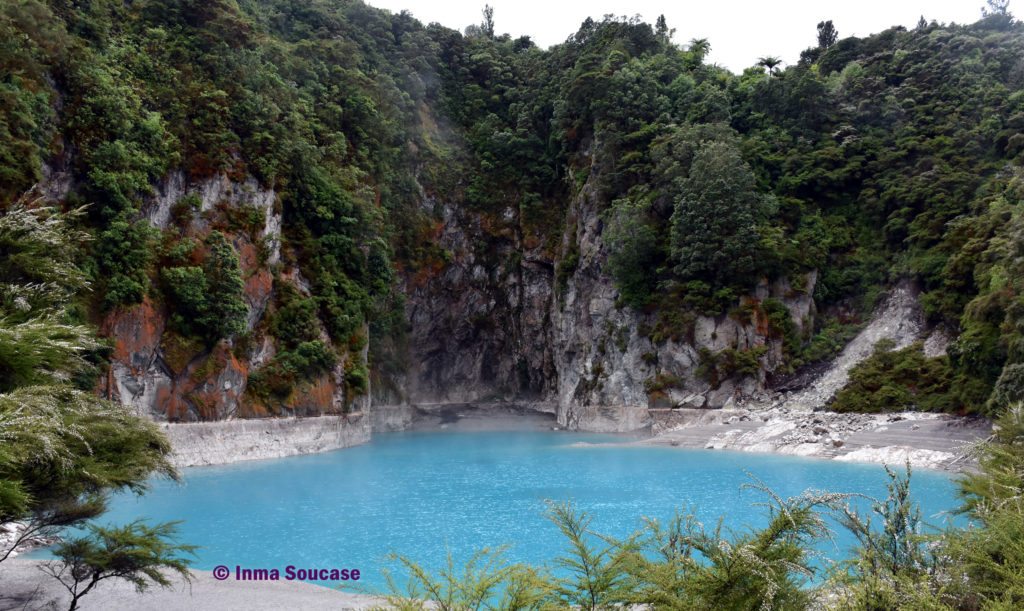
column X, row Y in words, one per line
column 183, row 210
column 717, row 367
column 781, row 325
column 660, row 382
column 278, row 378
column 295, row 320
column 208, row 301
column 226, row 310
column 894, row 380
column 123, row 254
column 893, row 566
column 186, row 286
column 309, row 359
column 827, row 342
column 357, row 378
column 673, row 323
column 136, row 552
column 1009, row 388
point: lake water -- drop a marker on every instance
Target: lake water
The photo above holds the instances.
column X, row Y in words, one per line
column 424, row 493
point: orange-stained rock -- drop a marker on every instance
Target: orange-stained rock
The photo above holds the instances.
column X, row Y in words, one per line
column 761, row 326
column 136, row 331
column 137, row 376
column 314, row 399
column 248, row 254
column 253, row 407
column 209, row 388
column 258, row 288
column 161, row 374
column 173, row 406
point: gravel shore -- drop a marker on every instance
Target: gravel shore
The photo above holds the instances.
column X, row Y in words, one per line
column 24, row 586
column 930, row 441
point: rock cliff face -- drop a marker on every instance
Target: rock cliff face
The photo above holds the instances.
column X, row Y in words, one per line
column 480, row 329
column 497, row 323
column 169, row 377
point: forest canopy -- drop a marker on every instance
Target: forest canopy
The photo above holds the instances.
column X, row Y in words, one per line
column 869, row 160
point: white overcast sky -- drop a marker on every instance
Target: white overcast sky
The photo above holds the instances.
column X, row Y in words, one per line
column 740, row 31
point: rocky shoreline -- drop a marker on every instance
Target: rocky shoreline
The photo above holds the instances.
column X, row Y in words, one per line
column 930, row 441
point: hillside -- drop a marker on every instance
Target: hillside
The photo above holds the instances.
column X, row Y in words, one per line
column 308, row 207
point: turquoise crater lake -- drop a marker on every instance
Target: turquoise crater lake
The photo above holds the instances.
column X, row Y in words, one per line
column 422, row 493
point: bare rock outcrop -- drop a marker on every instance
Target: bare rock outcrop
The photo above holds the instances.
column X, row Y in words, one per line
column 897, row 319
column 169, row 377
column 508, row 318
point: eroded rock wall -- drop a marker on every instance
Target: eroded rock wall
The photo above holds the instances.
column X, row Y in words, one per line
column 170, row 377
column 497, row 323
column 480, row 328
column 610, row 369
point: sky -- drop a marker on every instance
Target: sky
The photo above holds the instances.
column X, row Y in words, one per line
column 740, row 31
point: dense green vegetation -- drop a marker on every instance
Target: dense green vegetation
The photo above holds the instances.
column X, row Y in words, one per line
column 314, row 100
column 893, row 380
column 207, row 301
column 869, row 160
column 708, row 179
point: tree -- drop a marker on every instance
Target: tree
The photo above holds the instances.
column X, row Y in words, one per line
column 770, row 62
column 634, row 254
column 997, row 13
column 226, row 310
column 61, row 449
column 996, row 8
column 827, row 34
column 699, row 49
column 209, row 300
column 487, row 25
column 892, row 565
column 714, row 223
column 662, row 31
column 123, row 254
column 136, row 552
